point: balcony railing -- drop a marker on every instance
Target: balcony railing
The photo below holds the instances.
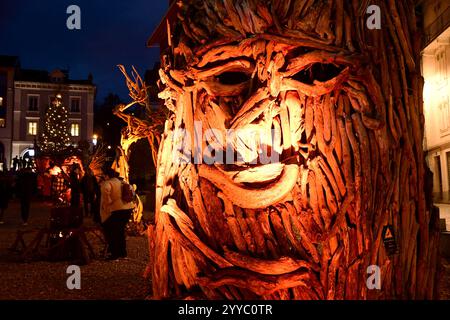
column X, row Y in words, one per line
column 437, row 27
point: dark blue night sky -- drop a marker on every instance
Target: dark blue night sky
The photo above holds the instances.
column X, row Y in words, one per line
column 112, row 32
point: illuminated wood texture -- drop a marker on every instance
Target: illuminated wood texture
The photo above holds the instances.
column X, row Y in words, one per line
column 136, row 129
column 343, row 104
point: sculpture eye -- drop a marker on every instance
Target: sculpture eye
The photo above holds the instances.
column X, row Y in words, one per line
column 318, row 72
column 233, row 77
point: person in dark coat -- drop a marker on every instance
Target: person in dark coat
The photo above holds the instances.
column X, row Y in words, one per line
column 96, row 203
column 95, row 210
column 26, row 187
column 23, row 163
column 5, row 193
column 75, row 186
column 15, row 164
column 88, row 186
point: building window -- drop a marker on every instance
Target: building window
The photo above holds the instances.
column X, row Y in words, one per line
column 33, row 103
column 32, row 128
column 441, row 64
column 444, row 116
column 74, row 104
column 75, row 130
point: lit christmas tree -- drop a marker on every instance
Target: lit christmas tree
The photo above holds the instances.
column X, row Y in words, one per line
column 54, row 136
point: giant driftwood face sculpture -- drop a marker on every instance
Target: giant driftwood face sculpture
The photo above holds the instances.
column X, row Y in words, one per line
column 301, row 139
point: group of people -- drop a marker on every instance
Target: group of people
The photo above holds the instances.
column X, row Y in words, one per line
column 101, row 198
column 85, row 185
column 21, row 163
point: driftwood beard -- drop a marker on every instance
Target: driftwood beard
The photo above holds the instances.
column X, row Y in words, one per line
column 309, row 225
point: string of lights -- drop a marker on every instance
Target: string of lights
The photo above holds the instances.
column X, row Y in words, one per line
column 55, row 134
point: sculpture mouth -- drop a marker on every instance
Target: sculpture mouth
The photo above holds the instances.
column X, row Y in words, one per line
column 257, row 195
column 257, row 155
column 268, row 163
column 261, row 144
column 256, row 175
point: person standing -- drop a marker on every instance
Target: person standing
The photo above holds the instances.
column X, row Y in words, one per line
column 115, row 214
column 47, row 185
column 58, row 186
column 5, row 193
column 23, row 163
column 26, row 185
column 95, row 209
column 75, row 192
column 15, row 164
column 88, row 187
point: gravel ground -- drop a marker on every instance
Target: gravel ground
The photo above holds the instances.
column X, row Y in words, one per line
column 100, row 280
column 104, row 280
column 445, row 280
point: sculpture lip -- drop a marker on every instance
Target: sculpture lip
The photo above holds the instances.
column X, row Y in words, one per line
column 263, row 173
column 257, row 175
column 250, row 197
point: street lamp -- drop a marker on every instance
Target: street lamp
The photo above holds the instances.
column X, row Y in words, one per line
column 94, row 139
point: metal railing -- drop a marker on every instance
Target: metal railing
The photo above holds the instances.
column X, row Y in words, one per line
column 437, row 27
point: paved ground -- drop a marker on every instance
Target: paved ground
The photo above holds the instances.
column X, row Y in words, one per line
column 100, row 279
column 445, row 280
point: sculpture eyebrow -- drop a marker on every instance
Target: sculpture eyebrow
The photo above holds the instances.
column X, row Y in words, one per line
column 301, row 62
column 233, row 65
column 225, row 53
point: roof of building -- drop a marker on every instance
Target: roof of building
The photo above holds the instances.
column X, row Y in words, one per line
column 159, row 35
column 33, row 75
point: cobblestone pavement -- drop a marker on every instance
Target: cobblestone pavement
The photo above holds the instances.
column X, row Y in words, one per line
column 100, row 280
column 120, row 279
column 445, row 280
